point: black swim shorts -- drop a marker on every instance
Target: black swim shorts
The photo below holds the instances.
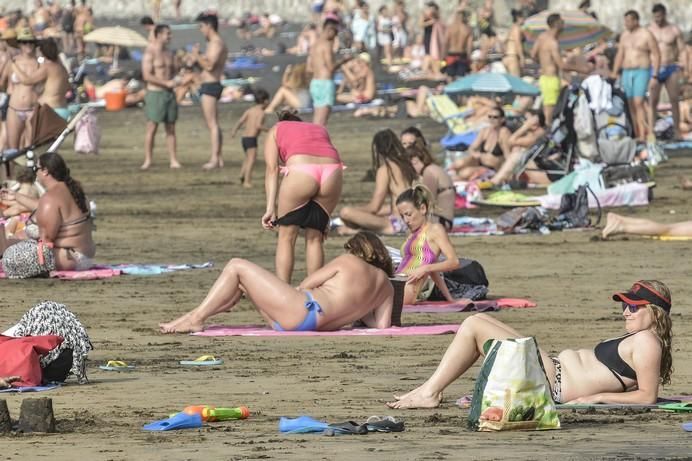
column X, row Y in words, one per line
column 248, row 142
column 213, row 89
column 311, row 215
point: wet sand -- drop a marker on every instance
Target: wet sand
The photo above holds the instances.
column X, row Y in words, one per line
column 164, row 216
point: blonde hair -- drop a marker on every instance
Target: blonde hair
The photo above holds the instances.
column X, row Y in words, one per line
column 663, row 329
column 298, row 77
column 368, row 247
column 418, row 195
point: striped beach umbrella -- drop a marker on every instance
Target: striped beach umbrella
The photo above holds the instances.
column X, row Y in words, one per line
column 491, row 84
column 580, row 29
column 118, row 36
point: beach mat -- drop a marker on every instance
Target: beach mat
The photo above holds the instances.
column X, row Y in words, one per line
column 259, row 330
column 465, row 305
column 30, row 389
column 465, row 402
column 114, row 270
column 98, row 273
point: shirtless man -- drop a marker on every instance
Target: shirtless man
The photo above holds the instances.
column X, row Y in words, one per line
column 459, row 45
column 673, row 51
column 546, row 51
column 361, row 80
column 639, row 59
column 212, row 64
column 160, row 106
column 353, row 286
column 52, row 75
column 322, row 65
column 24, row 97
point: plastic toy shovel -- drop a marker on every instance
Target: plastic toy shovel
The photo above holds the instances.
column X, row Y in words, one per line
column 175, row 422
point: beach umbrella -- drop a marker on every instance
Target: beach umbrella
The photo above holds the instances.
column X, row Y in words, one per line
column 580, row 29
column 491, row 84
column 118, row 36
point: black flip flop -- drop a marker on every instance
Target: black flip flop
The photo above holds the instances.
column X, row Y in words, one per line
column 384, row 424
column 346, row 428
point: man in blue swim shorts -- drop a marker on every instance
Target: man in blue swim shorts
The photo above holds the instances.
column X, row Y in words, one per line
column 637, row 55
column 673, row 50
column 354, row 286
column 322, row 65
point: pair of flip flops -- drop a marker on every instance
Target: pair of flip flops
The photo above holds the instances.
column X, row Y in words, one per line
column 306, row 424
column 203, row 361
column 116, row 365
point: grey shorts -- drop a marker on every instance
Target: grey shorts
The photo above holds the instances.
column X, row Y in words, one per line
column 21, row 260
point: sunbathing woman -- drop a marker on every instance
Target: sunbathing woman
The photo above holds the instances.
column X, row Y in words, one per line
column 423, row 246
column 626, row 369
column 293, row 91
column 62, row 240
column 353, row 286
column 488, row 150
column 617, row 224
column 394, row 174
column 440, row 185
column 309, row 192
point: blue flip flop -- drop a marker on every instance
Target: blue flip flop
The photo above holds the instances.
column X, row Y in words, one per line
column 301, row 425
column 203, row 361
column 687, row 426
column 175, row 422
column 116, row 365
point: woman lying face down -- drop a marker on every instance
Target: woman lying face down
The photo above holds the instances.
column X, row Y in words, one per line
column 353, row 286
column 627, row 369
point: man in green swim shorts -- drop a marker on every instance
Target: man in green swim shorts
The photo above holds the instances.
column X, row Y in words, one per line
column 321, row 64
column 160, row 106
column 639, row 59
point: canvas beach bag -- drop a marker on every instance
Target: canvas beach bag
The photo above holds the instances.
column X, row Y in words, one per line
column 512, row 391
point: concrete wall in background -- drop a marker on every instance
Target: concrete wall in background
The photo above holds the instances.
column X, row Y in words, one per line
column 609, row 12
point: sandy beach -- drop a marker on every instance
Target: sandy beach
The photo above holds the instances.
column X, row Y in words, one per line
column 190, row 216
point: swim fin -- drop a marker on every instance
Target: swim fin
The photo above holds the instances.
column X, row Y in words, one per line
column 677, row 407
column 301, row 425
column 175, row 422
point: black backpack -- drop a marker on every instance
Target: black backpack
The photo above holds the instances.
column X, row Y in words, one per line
column 574, row 210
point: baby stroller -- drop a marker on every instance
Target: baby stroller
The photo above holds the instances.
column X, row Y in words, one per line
column 46, row 127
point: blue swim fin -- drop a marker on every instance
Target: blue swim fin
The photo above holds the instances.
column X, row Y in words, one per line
column 301, row 425
column 175, row 422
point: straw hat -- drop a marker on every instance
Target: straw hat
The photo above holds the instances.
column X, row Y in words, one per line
column 364, row 57
column 25, row 35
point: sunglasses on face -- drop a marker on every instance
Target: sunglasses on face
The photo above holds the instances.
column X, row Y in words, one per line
column 633, row 308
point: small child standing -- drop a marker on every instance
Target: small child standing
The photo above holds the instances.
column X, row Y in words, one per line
column 253, row 120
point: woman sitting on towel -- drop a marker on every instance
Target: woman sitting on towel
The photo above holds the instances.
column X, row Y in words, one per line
column 488, row 151
column 423, row 246
column 294, row 90
column 627, row 369
column 437, row 180
column 617, row 224
column 394, row 174
column 353, row 286
column 309, row 192
column 60, row 238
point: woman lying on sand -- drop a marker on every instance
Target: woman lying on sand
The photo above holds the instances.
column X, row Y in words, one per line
column 309, row 191
column 393, row 175
column 353, row 286
column 617, row 224
column 425, row 242
column 626, row 369
column 61, row 238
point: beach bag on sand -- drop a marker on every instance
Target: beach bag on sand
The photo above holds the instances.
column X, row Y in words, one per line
column 87, row 135
column 512, row 390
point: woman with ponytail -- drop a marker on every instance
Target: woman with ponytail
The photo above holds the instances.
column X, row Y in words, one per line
column 425, row 242
column 627, row 369
column 61, row 238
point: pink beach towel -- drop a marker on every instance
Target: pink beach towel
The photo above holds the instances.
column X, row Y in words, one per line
column 466, row 305
column 91, row 274
column 259, row 330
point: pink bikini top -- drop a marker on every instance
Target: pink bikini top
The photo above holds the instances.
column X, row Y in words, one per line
column 304, row 138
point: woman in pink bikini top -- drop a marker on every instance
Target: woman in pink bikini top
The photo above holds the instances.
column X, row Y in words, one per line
column 309, row 191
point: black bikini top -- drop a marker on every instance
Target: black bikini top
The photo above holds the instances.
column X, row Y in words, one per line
column 607, row 353
column 497, row 150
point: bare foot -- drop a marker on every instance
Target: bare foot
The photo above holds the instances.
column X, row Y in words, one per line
column 7, row 382
column 685, row 183
column 184, row 324
column 175, row 165
column 247, row 185
column 613, row 225
column 210, row 166
column 145, row 166
column 417, row 399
